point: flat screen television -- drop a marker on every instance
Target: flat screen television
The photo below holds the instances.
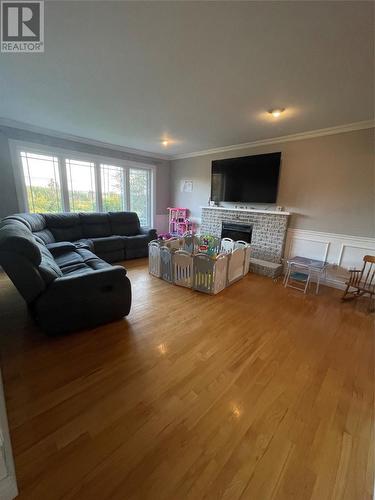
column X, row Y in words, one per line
column 250, row 179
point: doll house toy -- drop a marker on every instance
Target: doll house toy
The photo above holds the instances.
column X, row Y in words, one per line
column 179, row 223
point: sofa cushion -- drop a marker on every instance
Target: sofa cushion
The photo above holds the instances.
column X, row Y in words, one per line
column 95, row 225
column 109, row 244
column 64, row 226
column 48, row 268
column 68, row 259
column 124, row 223
column 79, row 261
column 44, row 236
column 139, row 241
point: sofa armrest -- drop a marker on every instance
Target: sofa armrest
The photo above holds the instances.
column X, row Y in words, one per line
column 84, row 300
column 151, row 233
column 86, row 282
column 60, row 247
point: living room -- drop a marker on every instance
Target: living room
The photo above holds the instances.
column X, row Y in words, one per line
column 187, row 250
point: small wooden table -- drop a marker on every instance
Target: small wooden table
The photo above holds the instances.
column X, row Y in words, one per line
column 302, row 270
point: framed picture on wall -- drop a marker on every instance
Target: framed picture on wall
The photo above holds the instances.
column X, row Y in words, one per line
column 186, row 186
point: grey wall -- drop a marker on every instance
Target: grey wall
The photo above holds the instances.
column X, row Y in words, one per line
column 327, row 182
column 8, row 197
column 8, row 200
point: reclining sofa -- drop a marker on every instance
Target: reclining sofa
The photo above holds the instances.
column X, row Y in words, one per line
column 60, row 265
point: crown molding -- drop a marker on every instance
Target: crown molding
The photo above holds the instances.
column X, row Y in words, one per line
column 6, row 122
column 285, row 138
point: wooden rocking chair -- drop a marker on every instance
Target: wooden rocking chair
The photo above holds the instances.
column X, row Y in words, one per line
column 362, row 281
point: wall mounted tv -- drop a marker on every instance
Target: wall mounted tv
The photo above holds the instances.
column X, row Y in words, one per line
column 249, row 179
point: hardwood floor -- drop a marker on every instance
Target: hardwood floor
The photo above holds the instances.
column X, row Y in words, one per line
column 257, row 393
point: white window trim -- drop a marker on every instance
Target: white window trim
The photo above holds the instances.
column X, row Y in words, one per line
column 17, row 146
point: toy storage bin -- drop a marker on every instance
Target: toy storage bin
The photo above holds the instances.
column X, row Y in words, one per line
column 210, row 273
column 236, row 265
column 166, row 267
column 182, row 268
column 154, row 258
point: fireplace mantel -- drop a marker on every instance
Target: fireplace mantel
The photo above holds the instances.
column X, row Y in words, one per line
column 272, row 212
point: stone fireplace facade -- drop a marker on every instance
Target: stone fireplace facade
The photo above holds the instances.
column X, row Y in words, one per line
column 268, row 232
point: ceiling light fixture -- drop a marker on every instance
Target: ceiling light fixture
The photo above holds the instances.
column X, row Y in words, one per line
column 276, row 112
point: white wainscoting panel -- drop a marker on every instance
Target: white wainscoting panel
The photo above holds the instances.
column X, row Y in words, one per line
column 342, row 251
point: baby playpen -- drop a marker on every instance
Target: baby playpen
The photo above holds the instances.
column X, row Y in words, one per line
column 203, row 263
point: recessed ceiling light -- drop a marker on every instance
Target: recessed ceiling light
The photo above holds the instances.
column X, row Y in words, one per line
column 276, row 112
column 165, row 142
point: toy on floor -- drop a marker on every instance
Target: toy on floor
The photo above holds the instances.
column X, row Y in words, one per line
column 179, row 223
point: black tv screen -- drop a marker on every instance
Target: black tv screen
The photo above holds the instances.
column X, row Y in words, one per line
column 251, row 179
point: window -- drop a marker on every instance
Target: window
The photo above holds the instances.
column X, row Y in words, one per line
column 54, row 180
column 81, row 186
column 42, row 182
column 113, row 188
column 139, row 188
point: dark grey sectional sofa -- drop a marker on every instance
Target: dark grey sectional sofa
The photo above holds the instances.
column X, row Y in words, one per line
column 59, row 264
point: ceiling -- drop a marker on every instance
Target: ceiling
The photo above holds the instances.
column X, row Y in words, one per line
column 202, row 74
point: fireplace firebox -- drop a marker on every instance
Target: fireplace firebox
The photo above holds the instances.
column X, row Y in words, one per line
column 236, row 231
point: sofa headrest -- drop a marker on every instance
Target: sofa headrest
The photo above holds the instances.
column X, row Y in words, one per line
column 34, row 222
column 95, row 225
column 64, row 226
column 124, row 223
column 124, row 217
column 15, row 237
column 64, row 219
column 94, row 218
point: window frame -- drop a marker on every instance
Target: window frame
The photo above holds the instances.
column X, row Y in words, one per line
column 16, row 147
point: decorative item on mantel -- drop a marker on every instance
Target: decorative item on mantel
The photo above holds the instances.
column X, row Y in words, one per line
column 179, row 223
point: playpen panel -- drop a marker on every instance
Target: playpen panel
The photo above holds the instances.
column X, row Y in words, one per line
column 183, row 268
column 190, row 243
column 166, row 268
column 236, row 265
column 220, row 273
column 247, row 249
column 246, row 262
column 227, row 245
column 203, row 272
column 173, row 243
column 154, row 258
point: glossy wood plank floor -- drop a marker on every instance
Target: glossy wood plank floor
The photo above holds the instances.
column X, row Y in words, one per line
column 257, row 393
